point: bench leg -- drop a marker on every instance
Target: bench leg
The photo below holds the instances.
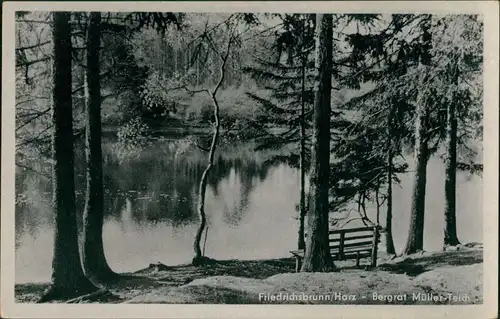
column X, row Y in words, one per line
column 297, row 264
column 357, row 259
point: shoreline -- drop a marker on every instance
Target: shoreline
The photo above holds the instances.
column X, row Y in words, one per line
column 428, row 274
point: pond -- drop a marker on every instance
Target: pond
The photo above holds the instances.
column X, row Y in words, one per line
column 150, row 208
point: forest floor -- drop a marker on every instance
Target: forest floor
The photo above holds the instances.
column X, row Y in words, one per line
column 452, row 277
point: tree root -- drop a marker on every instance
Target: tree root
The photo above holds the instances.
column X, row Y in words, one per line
column 203, row 260
column 104, row 278
column 93, row 296
column 63, row 293
column 322, row 268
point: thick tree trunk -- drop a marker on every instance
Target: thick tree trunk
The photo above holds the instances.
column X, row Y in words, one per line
column 68, row 279
column 450, row 231
column 317, row 253
column 94, row 260
column 389, row 243
column 415, row 241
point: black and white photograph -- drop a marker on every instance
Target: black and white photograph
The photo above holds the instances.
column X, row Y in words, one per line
column 267, row 154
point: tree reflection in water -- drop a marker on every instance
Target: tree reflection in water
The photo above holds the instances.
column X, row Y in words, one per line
column 159, row 186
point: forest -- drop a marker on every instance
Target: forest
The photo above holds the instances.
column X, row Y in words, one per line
column 351, row 102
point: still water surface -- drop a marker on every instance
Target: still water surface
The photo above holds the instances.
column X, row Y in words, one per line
column 151, row 203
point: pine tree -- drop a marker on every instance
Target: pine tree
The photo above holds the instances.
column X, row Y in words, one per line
column 360, row 163
column 389, row 242
column 291, row 96
column 450, row 230
column 94, row 260
column 317, row 252
column 389, row 63
column 68, row 279
column 365, row 142
column 457, row 45
column 415, row 239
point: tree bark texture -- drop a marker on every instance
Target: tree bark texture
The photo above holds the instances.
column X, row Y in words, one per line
column 317, row 252
column 302, row 209
column 68, row 279
column 94, row 260
column 415, row 239
column 389, row 242
column 450, row 231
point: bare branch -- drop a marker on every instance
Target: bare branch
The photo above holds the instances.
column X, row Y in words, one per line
column 33, row 21
column 223, row 66
column 201, row 147
column 35, row 116
column 33, row 98
column 28, row 63
column 37, row 138
column 262, row 32
column 29, row 47
column 212, row 44
column 184, row 87
column 353, row 219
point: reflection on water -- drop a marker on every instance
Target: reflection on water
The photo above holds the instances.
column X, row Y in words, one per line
column 151, row 209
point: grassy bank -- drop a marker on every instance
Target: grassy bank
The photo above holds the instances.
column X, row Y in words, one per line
column 458, row 273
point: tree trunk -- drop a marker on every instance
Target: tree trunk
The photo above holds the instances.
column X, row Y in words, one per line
column 389, row 243
column 317, row 253
column 302, row 212
column 377, row 200
column 450, row 231
column 415, row 241
column 68, row 279
column 198, row 258
column 94, row 260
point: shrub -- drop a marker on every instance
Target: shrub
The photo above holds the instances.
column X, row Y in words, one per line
column 133, row 136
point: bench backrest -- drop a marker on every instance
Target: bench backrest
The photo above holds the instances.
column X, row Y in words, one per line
column 354, row 240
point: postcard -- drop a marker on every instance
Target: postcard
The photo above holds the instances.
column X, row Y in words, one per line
column 249, row 159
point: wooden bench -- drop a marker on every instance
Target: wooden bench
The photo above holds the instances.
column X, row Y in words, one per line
column 351, row 243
